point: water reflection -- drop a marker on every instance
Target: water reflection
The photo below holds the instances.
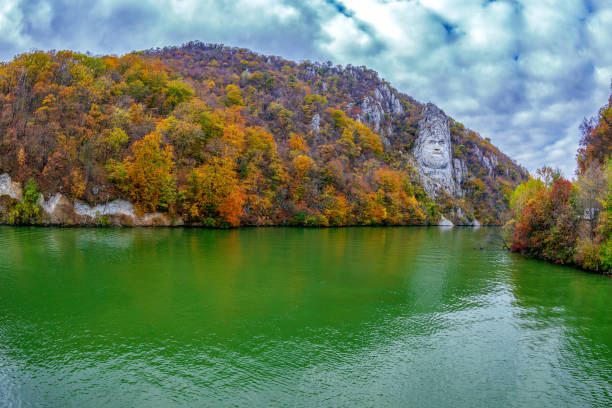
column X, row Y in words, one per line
column 286, row 317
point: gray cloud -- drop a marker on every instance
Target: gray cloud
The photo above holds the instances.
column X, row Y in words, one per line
column 523, row 73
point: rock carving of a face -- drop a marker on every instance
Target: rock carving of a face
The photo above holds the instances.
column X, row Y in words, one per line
column 435, row 152
column 433, row 146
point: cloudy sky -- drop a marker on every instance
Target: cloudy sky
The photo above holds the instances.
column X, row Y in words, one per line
column 522, row 72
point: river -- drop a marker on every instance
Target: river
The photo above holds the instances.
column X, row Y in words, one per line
column 355, row 317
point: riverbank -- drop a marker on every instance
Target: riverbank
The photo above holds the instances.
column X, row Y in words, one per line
column 31, row 208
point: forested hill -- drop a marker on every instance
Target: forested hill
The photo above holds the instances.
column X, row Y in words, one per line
column 217, row 136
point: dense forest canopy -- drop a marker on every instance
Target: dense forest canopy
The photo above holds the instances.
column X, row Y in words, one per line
column 223, row 136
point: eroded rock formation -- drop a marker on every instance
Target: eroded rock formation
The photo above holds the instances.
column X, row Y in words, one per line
column 10, row 188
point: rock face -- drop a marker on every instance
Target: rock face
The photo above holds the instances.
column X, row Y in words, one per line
column 58, row 210
column 445, row 222
column 10, row 188
column 115, row 207
column 122, row 211
column 374, row 109
column 372, row 112
column 433, row 152
column 315, row 123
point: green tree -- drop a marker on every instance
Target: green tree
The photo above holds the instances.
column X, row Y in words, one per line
column 27, row 211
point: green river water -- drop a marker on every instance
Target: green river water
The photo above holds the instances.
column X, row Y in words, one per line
column 352, row 317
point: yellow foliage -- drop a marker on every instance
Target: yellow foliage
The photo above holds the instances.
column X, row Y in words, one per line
column 297, row 144
column 374, row 212
column 340, row 119
column 233, row 95
column 388, row 180
column 150, row 174
column 116, row 138
column 81, row 75
column 215, row 192
column 337, row 210
column 303, row 165
column 368, row 140
column 258, row 139
column 77, row 186
column 234, row 138
column 21, row 157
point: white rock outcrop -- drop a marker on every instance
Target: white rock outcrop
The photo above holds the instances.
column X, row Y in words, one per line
column 387, row 98
column 374, row 109
column 115, row 207
column 445, row 222
column 123, row 209
column 60, row 210
column 372, row 113
column 49, row 205
column 10, row 188
column 460, row 173
column 315, row 123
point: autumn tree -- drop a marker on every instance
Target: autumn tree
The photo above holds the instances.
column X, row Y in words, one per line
column 147, row 175
column 233, row 95
column 176, row 92
column 596, row 140
column 214, row 196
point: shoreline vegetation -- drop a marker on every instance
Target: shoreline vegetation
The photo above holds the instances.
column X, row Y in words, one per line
column 29, row 208
column 566, row 222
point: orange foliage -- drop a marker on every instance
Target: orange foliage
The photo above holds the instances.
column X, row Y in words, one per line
column 77, row 187
column 297, row 144
column 231, row 207
column 303, row 165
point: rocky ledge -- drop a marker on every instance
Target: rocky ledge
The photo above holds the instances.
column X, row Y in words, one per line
column 59, row 210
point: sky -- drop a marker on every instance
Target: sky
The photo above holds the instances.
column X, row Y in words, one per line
column 523, row 73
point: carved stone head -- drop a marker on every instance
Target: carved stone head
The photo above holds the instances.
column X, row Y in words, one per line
column 433, row 147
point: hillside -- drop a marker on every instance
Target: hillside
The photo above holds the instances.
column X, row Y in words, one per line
column 210, row 135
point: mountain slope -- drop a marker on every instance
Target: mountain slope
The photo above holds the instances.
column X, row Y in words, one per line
column 210, row 135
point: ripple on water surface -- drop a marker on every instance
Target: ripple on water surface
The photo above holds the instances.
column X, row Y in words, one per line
column 295, row 317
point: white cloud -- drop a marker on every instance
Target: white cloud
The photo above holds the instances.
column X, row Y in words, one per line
column 11, row 18
column 522, row 73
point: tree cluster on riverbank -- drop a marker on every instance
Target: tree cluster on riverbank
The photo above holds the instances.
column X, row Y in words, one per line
column 570, row 222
